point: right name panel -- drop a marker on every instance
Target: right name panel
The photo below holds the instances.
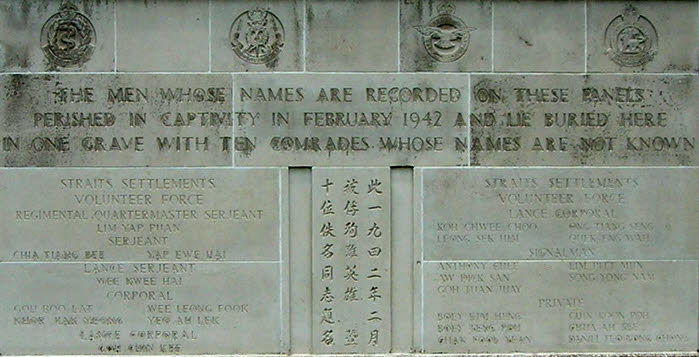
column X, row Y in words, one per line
column 555, row 259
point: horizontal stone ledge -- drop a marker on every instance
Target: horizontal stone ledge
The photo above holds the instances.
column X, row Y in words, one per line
column 405, row 354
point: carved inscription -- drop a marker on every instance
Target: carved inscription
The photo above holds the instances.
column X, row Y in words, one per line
column 555, row 259
column 133, row 308
column 116, row 120
column 137, row 214
column 354, row 120
column 583, row 120
column 142, row 261
column 574, row 306
column 351, row 260
column 561, row 214
column 535, row 161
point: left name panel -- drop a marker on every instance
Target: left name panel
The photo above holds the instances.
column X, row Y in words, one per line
column 143, row 261
column 116, row 120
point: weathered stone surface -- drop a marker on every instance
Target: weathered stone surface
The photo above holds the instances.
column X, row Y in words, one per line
column 142, row 214
column 537, row 162
column 25, row 40
column 451, row 37
column 230, row 48
column 132, row 308
column 116, row 120
column 575, row 306
column 577, row 120
column 539, row 36
column 351, row 260
column 559, row 213
column 162, row 36
column 667, row 30
column 334, row 44
column 350, row 119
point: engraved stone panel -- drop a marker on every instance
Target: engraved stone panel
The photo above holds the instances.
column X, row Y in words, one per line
column 234, row 46
column 141, row 214
column 555, row 259
column 559, row 213
column 116, row 120
column 333, row 42
column 390, row 178
column 574, row 120
column 557, row 306
column 441, row 36
column 350, row 119
column 56, row 36
column 162, row 35
column 539, row 36
column 132, row 308
column 642, row 36
column 351, row 260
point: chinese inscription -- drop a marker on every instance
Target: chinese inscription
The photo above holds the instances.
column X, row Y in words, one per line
column 351, row 260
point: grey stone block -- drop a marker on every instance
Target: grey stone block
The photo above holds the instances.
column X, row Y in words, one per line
column 278, row 48
column 642, row 36
column 555, row 306
column 351, row 260
column 333, row 42
column 142, row 214
column 162, row 36
column 558, row 213
column 116, row 120
column 127, row 228
column 351, row 119
column 300, row 253
column 134, row 308
column 440, row 36
column 578, row 120
column 539, row 36
column 42, row 36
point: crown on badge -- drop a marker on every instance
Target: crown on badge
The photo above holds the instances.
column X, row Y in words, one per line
column 257, row 16
column 630, row 13
column 68, row 11
column 68, row 6
column 446, row 8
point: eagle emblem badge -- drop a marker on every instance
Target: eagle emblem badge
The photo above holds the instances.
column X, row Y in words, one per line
column 445, row 36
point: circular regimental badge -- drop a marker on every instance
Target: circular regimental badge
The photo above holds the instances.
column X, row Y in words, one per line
column 631, row 39
column 68, row 37
column 257, row 36
column 445, row 37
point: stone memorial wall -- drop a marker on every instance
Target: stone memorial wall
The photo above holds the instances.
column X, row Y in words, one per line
column 327, row 177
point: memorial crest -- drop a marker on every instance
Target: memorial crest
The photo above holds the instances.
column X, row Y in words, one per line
column 68, row 37
column 631, row 39
column 257, row 36
column 445, row 36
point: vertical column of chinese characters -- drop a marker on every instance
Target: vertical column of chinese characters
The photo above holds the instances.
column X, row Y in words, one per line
column 352, row 289
column 352, row 216
column 377, row 248
column 327, row 242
